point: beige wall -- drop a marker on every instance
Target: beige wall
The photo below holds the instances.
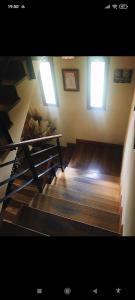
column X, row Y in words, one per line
column 73, row 119
column 128, row 177
column 17, row 115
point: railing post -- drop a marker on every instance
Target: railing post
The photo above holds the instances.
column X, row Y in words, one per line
column 53, row 170
column 32, row 168
column 60, row 154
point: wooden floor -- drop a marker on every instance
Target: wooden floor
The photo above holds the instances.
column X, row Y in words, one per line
column 55, row 225
column 81, row 198
column 85, row 196
column 104, row 159
column 12, row 229
column 89, row 189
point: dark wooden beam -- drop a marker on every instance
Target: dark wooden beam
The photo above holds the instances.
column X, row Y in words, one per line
column 30, row 67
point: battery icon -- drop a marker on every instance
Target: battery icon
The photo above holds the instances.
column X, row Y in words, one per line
column 123, row 6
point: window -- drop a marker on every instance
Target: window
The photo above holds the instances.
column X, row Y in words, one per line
column 47, row 82
column 97, row 82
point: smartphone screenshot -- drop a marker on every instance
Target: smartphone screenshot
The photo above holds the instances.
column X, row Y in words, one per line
column 67, row 150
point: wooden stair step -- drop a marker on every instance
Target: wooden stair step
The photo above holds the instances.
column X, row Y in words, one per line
column 8, row 216
column 10, row 212
column 68, row 176
column 105, row 158
column 91, row 175
column 24, row 196
column 30, row 191
column 53, row 225
column 21, row 198
column 11, row 229
column 13, row 207
column 86, row 181
column 67, row 152
column 82, row 198
column 19, row 182
column 13, row 203
column 87, row 188
column 84, row 214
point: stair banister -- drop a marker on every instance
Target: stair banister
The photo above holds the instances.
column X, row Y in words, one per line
column 32, row 166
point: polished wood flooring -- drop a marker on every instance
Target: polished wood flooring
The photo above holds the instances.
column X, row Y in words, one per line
column 81, row 198
column 12, row 229
column 56, row 225
column 104, row 159
column 84, row 200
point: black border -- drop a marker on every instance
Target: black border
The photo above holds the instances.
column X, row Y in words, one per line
column 30, row 262
column 83, row 29
column 53, row 263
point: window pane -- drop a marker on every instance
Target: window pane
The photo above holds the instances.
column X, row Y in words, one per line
column 47, row 82
column 97, row 83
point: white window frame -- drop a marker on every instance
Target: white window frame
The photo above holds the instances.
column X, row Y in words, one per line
column 105, row 88
column 50, row 60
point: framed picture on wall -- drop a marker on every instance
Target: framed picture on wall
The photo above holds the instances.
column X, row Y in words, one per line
column 123, row 75
column 70, row 79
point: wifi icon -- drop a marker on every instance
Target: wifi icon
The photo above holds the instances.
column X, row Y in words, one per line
column 114, row 6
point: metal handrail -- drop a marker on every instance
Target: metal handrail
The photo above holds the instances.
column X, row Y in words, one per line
column 29, row 142
column 32, row 166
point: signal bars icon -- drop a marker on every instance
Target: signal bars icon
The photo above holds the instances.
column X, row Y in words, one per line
column 108, row 6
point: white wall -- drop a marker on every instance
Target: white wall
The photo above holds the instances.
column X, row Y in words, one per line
column 72, row 118
column 128, row 177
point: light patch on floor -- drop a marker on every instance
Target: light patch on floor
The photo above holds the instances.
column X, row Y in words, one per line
column 94, row 175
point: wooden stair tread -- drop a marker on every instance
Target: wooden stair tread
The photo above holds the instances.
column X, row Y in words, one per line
column 87, row 188
column 78, row 201
column 53, row 225
column 19, row 182
column 73, row 194
column 91, row 175
column 105, row 158
column 24, row 196
column 8, row 216
column 21, row 198
column 26, row 191
column 13, row 203
column 10, row 212
column 74, row 211
column 80, row 198
column 12, row 229
column 69, row 178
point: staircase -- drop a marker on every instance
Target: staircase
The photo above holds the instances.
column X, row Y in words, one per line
column 19, row 199
column 79, row 197
column 24, row 196
column 76, row 203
